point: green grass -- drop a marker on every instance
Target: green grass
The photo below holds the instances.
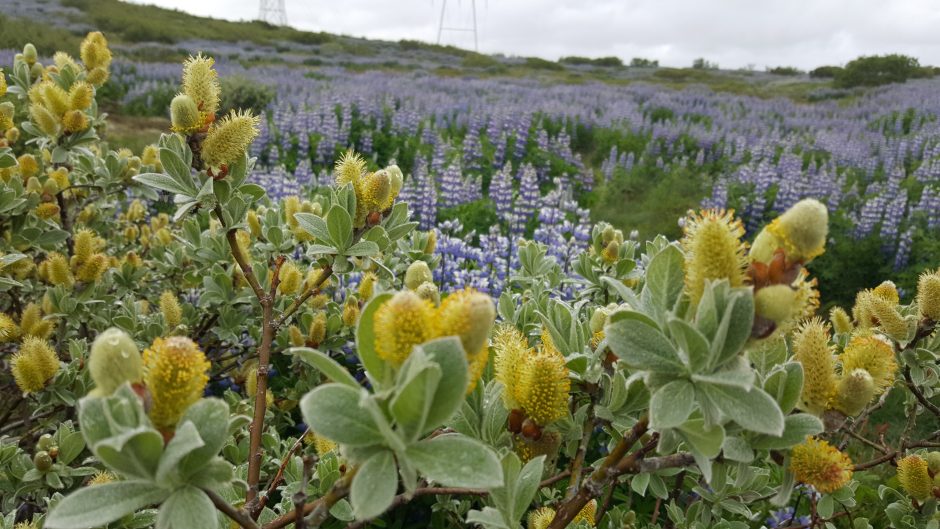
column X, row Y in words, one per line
column 144, row 23
column 134, row 133
column 14, row 32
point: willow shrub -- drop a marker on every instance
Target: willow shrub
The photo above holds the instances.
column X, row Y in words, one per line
column 150, row 299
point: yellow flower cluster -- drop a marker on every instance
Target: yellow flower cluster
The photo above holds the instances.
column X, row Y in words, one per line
column 866, row 368
column 171, row 310
column 535, row 380
column 542, row 517
column 88, row 262
column 175, row 373
column 96, row 57
column 821, row 465
column 915, row 478
column 228, row 139
column 34, row 364
column 928, row 295
column 375, row 192
column 878, row 309
column 714, row 249
column 407, row 320
column 293, row 205
column 34, row 323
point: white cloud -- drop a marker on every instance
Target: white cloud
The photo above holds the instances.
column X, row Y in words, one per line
column 734, row 33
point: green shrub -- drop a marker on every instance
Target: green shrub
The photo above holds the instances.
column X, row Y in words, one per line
column 825, row 72
column 879, row 70
column 239, row 92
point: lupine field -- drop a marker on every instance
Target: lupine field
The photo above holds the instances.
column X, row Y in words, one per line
column 273, row 279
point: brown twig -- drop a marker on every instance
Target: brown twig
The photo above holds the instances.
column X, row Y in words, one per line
column 317, row 510
column 924, row 401
column 236, row 515
column 310, row 291
column 577, row 463
column 300, row 498
column 263, row 500
column 601, row 477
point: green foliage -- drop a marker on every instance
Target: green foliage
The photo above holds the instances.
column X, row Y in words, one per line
column 825, row 72
column 784, row 70
column 704, row 64
column 242, row 93
column 15, row 31
column 640, row 62
column 878, row 70
column 147, row 23
column 607, row 62
column 537, row 63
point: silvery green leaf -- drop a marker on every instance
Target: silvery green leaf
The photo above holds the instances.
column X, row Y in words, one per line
column 414, row 396
column 187, row 507
column 362, row 249
column 737, row 449
column 455, row 460
column 333, row 410
column 185, row 440
column 99, row 505
column 706, row 441
column 134, row 452
column 736, row 373
column 489, row 518
column 664, row 281
column 314, row 225
column 785, row 384
column 329, row 367
column 671, row 405
column 693, row 345
column 753, row 410
column 178, row 169
column 379, row 372
column 164, row 182
column 796, row 428
column 374, row 485
column 449, row 355
column 735, row 327
column 643, row 347
column 339, row 223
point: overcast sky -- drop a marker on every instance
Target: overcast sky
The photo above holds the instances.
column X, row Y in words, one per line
column 734, row 33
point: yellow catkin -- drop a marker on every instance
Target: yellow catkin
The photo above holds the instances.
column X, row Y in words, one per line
column 201, row 82
column 317, row 331
column 713, row 250
column 27, row 165
column 587, row 513
column 511, row 349
column 541, row 518
column 92, row 269
column 34, row 364
column 84, row 245
column 367, row 286
column 854, row 391
column 296, row 337
column 32, row 322
column 101, row 477
column 815, row 462
column 228, row 140
column 801, row 232
column 291, row 278
column 400, row 323
column 914, row 478
column 841, row 321
column 349, row 168
column 170, row 307
column 874, row 355
column 812, row 350
column 542, row 387
column 469, row 315
column 81, row 95
column 47, row 210
column 94, row 51
column 9, row 330
column 175, row 372
column 928, row 295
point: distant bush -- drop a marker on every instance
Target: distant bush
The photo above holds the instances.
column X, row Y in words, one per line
column 784, row 70
column 704, row 64
column 478, row 60
column 609, row 62
column 239, row 92
column 640, row 62
column 825, row 72
column 542, row 64
column 879, row 70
